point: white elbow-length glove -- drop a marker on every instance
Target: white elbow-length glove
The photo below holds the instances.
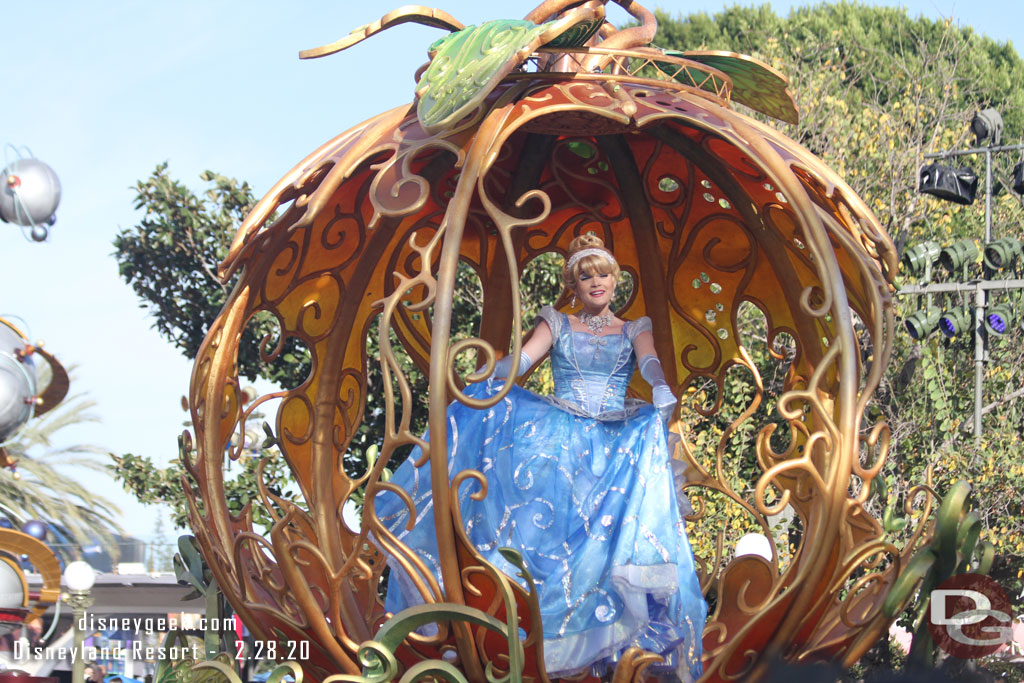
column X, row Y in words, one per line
column 664, row 399
column 502, row 367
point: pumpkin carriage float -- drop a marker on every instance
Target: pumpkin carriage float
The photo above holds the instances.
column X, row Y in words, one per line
column 525, row 134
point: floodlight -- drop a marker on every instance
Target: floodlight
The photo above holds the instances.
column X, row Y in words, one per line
column 918, row 258
column 1002, row 253
column 955, row 322
column 987, row 126
column 999, row 318
column 959, row 254
column 922, row 323
column 958, row 185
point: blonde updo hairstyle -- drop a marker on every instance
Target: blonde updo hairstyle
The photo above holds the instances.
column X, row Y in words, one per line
column 590, row 264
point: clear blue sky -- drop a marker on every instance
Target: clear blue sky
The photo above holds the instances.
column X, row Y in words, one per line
column 103, row 91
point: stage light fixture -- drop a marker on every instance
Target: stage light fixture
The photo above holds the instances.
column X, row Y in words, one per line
column 917, row 258
column 958, row 185
column 959, row 254
column 922, row 323
column 955, row 322
column 987, row 126
column 1002, row 253
column 999, row 318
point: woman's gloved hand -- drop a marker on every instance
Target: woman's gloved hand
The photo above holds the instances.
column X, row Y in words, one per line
column 502, row 367
column 664, row 400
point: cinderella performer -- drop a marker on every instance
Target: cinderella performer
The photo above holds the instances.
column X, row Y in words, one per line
column 580, row 484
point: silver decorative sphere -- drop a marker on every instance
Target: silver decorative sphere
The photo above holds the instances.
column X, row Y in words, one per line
column 18, row 383
column 29, row 192
column 12, row 587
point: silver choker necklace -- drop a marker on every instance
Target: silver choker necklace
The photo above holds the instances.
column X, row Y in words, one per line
column 596, row 323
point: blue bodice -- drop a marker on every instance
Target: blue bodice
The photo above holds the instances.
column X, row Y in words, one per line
column 591, row 372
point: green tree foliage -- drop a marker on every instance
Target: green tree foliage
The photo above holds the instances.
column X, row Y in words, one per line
column 152, row 485
column 170, row 260
column 160, row 557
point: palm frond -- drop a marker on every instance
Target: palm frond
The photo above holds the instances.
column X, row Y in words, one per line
column 50, row 489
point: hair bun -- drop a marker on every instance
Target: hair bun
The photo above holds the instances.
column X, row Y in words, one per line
column 585, row 241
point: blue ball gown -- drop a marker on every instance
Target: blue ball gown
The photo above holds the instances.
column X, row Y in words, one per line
column 579, row 483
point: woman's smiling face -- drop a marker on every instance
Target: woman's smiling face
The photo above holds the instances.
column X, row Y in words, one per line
column 595, row 290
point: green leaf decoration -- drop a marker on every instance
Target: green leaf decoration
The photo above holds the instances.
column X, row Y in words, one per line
column 754, row 83
column 189, row 568
column 466, row 66
column 578, row 34
column 179, row 662
column 953, row 549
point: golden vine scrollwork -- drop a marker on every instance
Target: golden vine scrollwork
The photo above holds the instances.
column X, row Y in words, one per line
column 736, row 239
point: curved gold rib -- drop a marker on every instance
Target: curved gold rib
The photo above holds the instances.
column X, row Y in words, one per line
column 415, row 14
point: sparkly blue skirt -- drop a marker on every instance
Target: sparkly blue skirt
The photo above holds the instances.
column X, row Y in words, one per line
column 590, row 503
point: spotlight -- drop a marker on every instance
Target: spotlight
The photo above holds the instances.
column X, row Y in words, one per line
column 959, row 254
column 1002, row 253
column 987, row 126
column 922, row 323
column 998, row 319
column 958, row 185
column 918, row 258
column 954, row 322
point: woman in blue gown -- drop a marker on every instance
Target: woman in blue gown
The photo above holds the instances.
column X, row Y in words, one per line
column 580, row 483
